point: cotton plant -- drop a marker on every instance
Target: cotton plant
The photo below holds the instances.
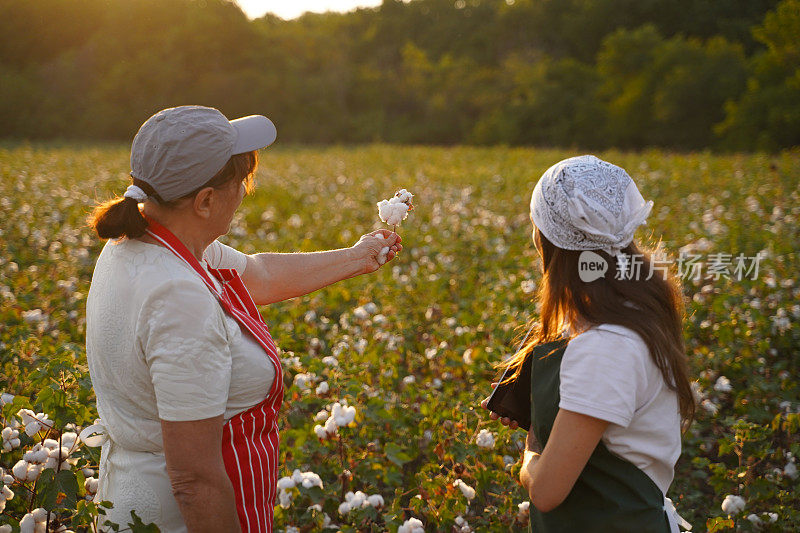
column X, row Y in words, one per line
column 298, row 479
column 392, row 212
column 340, row 416
column 358, row 500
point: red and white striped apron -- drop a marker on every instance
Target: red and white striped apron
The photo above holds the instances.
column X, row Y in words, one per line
column 249, row 439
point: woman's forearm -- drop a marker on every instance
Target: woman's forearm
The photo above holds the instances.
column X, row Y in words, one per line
column 207, row 503
column 273, row 277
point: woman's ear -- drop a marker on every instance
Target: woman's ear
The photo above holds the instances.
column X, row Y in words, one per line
column 204, row 202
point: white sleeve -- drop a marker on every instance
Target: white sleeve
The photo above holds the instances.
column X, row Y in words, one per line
column 185, row 345
column 602, row 373
column 219, row 255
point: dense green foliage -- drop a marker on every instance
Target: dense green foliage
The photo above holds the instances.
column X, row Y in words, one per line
column 596, row 73
column 447, row 309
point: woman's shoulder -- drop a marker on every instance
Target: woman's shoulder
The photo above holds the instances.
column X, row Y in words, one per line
column 140, row 263
column 608, row 340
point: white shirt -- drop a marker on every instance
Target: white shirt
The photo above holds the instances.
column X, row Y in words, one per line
column 607, row 372
column 160, row 346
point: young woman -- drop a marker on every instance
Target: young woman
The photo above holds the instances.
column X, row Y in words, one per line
column 610, row 389
column 187, row 377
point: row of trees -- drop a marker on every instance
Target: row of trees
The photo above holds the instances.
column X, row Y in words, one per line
column 592, row 73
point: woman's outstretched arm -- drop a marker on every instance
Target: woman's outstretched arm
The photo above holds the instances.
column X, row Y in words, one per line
column 273, row 277
column 549, row 475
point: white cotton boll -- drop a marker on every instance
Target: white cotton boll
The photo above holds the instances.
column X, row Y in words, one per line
column 303, row 381
column 316, row 507
column 322, row 388
column 359, row 499
column 34, row 471
column 754, row 519
column 467, row 356
column 723, row 384
column 331, row 427
column 345, row 508
column 8, row 479
column 408, row 380
column 322, row 415
column 383, row 255
column 50, row 444
column 52, row 462
column 361, row 313
column 66, row 465
column 27, row 524
column 790, row 470
column 310, row 479
column 33, row 428
column 8, row 494
column 733, row 505
column 412, row 525
column 485, row 439
column 20, row 470
column 330, row 361
column 344, row 415
column 772, row 517
column 91, row 485
column 524, row 510
column 285, row 483
column 39, row 515
column 88, row 472
column 466, row 490
column 285, row 499
column 292, row 529
column 69, row 439
column 5, row 528
column 297, row 476
column 376, row 500
column 27, row 416
column 711, row 407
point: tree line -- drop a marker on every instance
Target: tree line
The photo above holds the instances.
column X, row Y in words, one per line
column 683, row 74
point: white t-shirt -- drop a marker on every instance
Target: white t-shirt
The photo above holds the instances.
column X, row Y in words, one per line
column 160, row 346
column 607, row 372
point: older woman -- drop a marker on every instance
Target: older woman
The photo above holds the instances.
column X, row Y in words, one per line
column 187, row 376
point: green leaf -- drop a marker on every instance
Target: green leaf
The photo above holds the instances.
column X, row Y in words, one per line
column 57, row 490
column 396, row 454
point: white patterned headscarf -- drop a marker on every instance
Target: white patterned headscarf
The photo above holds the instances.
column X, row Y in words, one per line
column 585, row 203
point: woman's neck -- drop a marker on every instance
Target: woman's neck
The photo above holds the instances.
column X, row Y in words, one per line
column 186, row 230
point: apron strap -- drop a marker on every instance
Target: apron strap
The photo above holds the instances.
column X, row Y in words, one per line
column 234, row 296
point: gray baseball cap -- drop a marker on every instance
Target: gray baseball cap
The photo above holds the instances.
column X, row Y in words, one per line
column 179, row 149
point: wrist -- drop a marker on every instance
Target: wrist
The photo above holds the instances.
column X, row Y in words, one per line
column 355, row 264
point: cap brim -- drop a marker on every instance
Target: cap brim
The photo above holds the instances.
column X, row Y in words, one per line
column 253, row 133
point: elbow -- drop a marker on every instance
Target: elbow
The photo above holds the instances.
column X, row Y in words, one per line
column 545, row 500
column 190, row 487
column 544, row 504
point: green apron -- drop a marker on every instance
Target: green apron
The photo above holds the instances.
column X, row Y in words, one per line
column 611, row 494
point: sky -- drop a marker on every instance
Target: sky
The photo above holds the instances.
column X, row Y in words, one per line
column 288, row 9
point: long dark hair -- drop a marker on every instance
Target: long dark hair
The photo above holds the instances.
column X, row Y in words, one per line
column 120, row 216
column 655, row 311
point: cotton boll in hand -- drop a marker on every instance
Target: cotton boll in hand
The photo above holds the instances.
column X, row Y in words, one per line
column 395, row 209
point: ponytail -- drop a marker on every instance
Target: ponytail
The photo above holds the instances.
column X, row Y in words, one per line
column 118, row 217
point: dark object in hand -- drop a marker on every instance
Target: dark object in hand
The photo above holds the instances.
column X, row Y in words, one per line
column 512, row 399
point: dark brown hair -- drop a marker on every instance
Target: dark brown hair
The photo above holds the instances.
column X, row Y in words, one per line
column 655, row 311
column 120, row 216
